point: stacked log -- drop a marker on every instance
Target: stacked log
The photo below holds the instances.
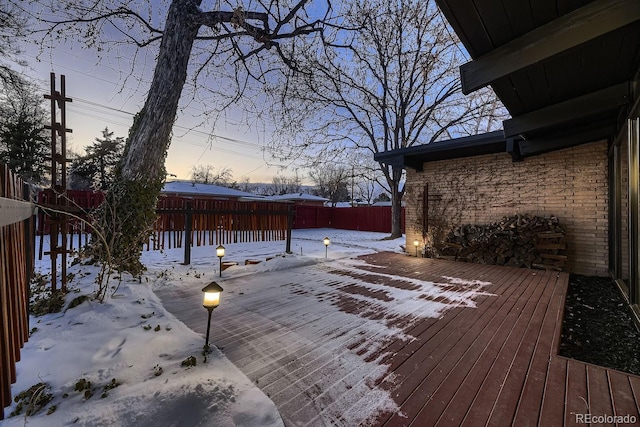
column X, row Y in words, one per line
column 517, row 241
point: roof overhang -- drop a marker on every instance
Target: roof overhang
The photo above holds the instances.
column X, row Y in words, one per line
column 565, row 69
column 414, row 157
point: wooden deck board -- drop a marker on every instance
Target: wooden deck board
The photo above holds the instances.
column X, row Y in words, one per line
column 479, row 360
column 622, row 395
column 438, row 358
column 492, row 364
column 577, row 393
column 554, row 397
column 599, row 393
column 496, row 377
column 508, row 394
column 530, row 403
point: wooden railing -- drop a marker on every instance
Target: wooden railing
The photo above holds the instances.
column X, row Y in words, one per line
column 16, row 267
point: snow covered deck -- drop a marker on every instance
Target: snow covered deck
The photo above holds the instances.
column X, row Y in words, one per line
column 394, row 340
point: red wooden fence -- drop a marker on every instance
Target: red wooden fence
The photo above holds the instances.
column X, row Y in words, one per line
column 225, row 221
column 214, row 221
column 80, row 204
column 16, row 267
column 362, row 218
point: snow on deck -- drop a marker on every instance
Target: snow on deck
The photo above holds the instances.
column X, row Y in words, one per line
column 313, row 338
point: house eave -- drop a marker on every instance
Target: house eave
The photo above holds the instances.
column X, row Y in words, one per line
column 468, row 146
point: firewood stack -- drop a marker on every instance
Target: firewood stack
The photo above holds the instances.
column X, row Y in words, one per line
column 517, row 241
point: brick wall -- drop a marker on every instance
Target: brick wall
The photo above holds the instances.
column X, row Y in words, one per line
column 571, row 184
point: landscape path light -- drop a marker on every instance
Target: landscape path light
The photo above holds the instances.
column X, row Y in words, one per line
column 416, row 243
column 211, row 300
column 326, row 242
column 220, row 255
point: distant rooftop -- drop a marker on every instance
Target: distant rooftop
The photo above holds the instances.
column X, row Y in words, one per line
column 197, row 189
column 386, row 203
column 298, row 197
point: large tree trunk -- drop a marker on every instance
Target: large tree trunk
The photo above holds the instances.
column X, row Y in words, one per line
column 396, row 203
column 128, row 213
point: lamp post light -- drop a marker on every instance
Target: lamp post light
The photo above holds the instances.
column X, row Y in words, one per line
column 416, row 243
column 326, row 242
column 220, row 255
column 211, row 301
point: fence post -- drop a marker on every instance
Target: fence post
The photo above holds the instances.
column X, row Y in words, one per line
column 290, row 214
column 29, row 250
column 188, row 226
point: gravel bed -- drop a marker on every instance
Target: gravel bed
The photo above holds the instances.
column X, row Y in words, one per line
column 598, row 327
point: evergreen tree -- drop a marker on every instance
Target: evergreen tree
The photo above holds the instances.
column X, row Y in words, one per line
column 97, row 168
column 24, row 145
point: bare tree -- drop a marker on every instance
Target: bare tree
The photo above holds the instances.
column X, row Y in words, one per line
column 245, row 185
column 13, row 26
column 366, row 178
column 281, row 184
column 386, row 79
column 332, row 182
column 208, row 174
column 366, row 187
column 191, row 40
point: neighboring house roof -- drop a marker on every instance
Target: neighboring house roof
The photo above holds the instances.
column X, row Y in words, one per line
column 385, row 204
column 197, row 189
column 340, row 204
column 298, row 197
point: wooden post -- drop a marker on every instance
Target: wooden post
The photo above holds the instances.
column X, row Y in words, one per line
column 188, row 226
column 634, row 210
column 59, row 224
column 425, row 212
column 29, row 239
column 290, row 214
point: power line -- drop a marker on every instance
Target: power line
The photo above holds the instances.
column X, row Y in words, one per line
column 210, row 146
column 229, row 139
column 206, row 146
column 197, row 131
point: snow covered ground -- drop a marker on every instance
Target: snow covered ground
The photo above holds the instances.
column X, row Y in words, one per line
column 121, row 362
column 129, row 361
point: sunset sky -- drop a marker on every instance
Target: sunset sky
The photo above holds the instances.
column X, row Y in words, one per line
column 105, row 95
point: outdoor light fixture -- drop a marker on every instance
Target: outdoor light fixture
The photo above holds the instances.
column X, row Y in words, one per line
column 326, row 242
column 220, row 255
column 416, row 243
column 211, row 301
